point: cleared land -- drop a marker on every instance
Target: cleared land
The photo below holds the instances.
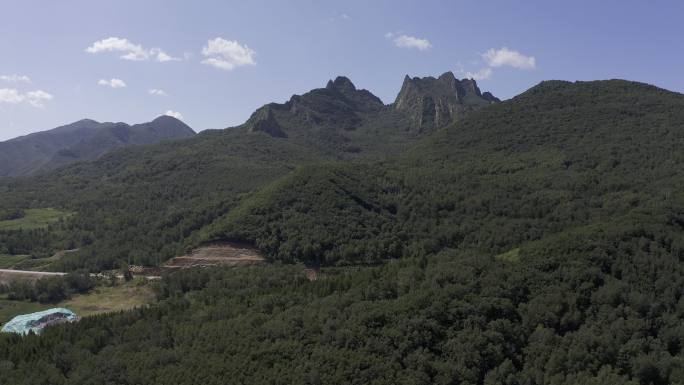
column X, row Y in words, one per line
column 218, row 255
column 34, row 219
column 103, row 299
column 11, row 261
column 25, row 262
column 108, row 299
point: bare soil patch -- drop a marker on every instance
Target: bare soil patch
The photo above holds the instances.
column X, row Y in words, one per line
column 218, row 255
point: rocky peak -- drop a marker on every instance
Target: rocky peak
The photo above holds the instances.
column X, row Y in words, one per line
column 488, row 96
column 340, row 105
column 342, row 84
column 362, row 100
column 434, row 103
column 263, row 120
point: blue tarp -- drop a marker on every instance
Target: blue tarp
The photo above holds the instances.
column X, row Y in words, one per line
column 36, row 322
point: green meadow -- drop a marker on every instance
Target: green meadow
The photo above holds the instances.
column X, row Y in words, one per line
column 34, row 219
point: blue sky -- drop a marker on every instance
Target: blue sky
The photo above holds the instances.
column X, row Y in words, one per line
column 217, row 61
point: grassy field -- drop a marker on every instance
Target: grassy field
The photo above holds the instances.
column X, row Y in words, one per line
column 512, row 255
column 25, row 262
column 34, row 219
column 9, row 309
column 11, row 261
column 103, row 299
column 109, row 299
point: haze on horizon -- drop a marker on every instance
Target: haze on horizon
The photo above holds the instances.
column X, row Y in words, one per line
column 212, row 66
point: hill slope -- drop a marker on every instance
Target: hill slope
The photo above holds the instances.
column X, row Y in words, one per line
column 146, row 204
column 542, row 243
column 82, row 140
column 559, row 156
column 347, row 122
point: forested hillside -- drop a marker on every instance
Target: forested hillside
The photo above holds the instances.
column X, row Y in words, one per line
column 146, row 204
column 597, row 305
column 538, row 240
column 557, row 157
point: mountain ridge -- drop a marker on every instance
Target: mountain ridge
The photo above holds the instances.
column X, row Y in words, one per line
column 85, row 139
column 429, row 104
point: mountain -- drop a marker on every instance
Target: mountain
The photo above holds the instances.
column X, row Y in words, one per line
column 347, row 121
column 434, row 103
column 538, row 240
column 337, row 106
column 82, row 140
column 560, row 156
column 130, row 201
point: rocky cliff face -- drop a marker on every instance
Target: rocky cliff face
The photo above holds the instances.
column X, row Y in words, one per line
column 423, row 105
column 434, row 103
column 264, row 120
column 337, row 106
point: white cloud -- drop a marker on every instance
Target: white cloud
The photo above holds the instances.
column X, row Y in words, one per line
column 174, row 114
column 14, row 78
column 114, row 83
column 345, row 16
column 10, row 95
column 129, row 50
column 156, row 91
column 227, row 54
column 506, row 57
column 162, row 56
column 410, row 42
column 34, row 98
column 482, row 74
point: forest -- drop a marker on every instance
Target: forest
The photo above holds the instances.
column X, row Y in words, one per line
column 49, row 289
column 598, row 305
column 536, row 241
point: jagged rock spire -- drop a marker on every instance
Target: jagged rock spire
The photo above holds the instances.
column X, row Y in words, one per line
column 433, row 103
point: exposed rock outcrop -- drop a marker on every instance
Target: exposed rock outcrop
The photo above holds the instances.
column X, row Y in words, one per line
column 423, row 104
column 434, row 103
column 340, row 105
column 264, row 120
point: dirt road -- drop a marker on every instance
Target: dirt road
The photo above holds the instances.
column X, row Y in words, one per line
column 7, row 275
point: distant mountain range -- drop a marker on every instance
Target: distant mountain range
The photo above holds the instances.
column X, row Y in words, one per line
column 82, row 140
column 338, row 120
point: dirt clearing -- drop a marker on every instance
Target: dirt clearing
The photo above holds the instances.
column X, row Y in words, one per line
column 218, row 255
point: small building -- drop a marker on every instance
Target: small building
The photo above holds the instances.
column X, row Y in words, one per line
column 38, row 321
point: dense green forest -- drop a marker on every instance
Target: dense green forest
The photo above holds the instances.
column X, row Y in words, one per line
column 600, row 304
column 146, row 204
column 140, row 204
column 559, row 156
column 49, row 289
column 143, row 205
column 538, row 240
